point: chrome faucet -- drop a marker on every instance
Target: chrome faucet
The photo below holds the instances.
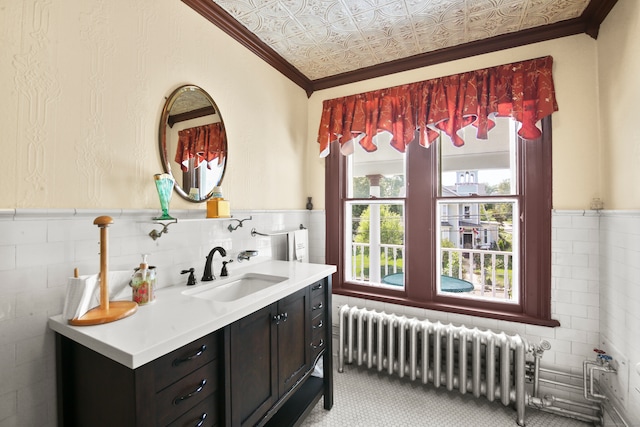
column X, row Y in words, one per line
column 208, row 275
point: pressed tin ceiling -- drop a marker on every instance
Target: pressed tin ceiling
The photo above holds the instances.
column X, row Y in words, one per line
column 325, row 43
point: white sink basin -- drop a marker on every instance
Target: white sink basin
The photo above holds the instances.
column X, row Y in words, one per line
column 236, row 288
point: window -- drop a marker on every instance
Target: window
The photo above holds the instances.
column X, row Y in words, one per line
column 478, row 250
column 374, row 217
column 409, row 228
column 467, row 211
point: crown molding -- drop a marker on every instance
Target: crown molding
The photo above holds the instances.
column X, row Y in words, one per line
column 588, row 23
column 221, row 18
column 594, row 15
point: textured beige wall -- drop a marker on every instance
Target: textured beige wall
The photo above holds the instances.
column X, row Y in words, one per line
column 576, row 176
column 83, row 84
column 619, row 68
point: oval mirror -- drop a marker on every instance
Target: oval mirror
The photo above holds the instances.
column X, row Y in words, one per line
column 193, row 143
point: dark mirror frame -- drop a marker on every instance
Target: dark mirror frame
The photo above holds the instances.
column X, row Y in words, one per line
column 170, row 116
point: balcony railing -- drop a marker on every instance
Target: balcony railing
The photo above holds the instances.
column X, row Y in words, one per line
column 391, row 260
column 489, row 271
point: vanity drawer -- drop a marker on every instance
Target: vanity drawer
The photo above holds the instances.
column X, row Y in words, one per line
column 318, row 305
column 318, row 326
column 175, row 365
column 318, row 335
column 204, row 414
column 181, row 396
column 317, row 288
column 317, row 345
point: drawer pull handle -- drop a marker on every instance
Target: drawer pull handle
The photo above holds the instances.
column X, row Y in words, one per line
column 317, row 307
column 317, row 287
column 320, row 344
column 319, row 325
column 201, row 420
column 181, row 399
column 177, row 362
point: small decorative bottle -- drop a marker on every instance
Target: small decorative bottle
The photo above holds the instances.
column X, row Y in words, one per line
column 143, row 283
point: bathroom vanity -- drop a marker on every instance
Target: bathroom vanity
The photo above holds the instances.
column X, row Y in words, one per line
column 205, row 355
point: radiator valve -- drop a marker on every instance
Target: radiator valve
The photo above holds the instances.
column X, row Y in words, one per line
column 541, row 348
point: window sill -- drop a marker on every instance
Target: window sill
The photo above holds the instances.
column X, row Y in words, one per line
column 395, row 297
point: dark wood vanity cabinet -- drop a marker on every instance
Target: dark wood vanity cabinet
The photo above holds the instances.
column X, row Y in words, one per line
column 304, row 389
column 180, row 388
column 268, row 356
column 255, row 371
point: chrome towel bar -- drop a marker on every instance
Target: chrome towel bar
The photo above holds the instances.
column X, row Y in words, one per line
column 281, row 233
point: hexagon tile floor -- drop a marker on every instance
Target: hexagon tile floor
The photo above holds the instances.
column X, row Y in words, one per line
column 364, row 398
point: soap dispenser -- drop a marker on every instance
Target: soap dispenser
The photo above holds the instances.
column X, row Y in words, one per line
column 143, row 283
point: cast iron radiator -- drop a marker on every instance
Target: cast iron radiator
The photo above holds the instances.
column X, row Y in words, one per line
column 483, row 363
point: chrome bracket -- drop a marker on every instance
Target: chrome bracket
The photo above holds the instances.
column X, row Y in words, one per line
column 231, row 228
column 155, row 234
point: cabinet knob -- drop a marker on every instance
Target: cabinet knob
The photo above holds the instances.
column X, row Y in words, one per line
column 320, row 344
column 317, row 307
column 317, row 287
column 281, row 317
column 319, row 325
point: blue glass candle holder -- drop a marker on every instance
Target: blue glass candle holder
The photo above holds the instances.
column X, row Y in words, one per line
column 164, row 185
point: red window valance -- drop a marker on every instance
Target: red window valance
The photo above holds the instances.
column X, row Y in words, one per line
column 202, row 143
column 522, row 90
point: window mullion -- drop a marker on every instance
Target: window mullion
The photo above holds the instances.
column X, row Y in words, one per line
column 422, row 189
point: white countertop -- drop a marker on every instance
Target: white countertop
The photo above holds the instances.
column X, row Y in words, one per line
column 176, row 319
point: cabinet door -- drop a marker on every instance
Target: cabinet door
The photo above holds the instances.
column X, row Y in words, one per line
column 253, row 366
column 294, row 355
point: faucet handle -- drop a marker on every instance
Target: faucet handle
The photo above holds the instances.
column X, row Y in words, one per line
column 191, row 280
column 224, row 272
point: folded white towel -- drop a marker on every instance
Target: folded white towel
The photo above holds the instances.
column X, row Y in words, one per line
column 301, row 238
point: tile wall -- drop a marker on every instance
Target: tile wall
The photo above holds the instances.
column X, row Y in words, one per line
column 594, row 286
column 620, row 307
column 40, row 248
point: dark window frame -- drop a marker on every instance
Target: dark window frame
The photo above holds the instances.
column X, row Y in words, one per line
column 535, row 185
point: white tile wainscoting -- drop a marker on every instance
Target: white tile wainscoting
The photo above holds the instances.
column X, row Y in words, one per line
column 595, row 285
column 40, row 248
column 619, row 324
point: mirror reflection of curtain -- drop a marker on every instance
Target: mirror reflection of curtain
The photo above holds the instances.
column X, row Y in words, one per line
column 200, row 144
